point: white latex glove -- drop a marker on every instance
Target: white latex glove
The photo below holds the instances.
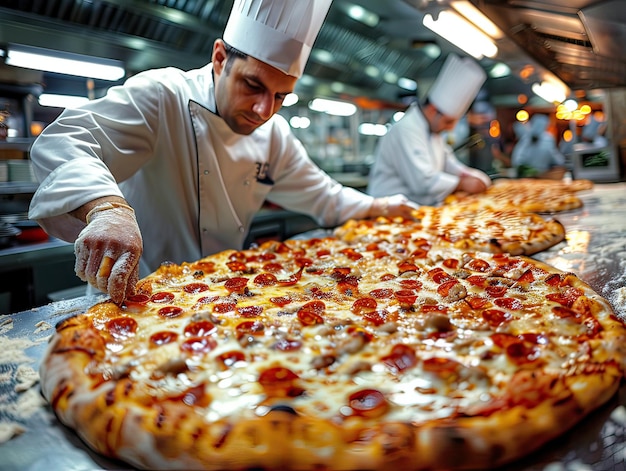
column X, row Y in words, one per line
column 395, row 205
column 108, row 250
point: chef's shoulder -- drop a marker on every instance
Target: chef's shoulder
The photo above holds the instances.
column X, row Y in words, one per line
column 174, row 82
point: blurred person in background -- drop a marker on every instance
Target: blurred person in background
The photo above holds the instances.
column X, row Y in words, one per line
column 413, row 158
column 536, row 154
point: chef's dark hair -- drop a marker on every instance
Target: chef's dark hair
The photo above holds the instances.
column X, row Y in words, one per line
column 234, row 53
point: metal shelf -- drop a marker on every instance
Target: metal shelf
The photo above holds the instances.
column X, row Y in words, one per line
column 13, row 188
column 17, row 143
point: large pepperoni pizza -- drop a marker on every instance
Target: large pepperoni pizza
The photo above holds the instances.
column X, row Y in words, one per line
column 376, row 353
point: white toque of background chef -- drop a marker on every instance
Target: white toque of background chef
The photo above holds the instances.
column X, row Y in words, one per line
column 174, row 165
column 413, row 157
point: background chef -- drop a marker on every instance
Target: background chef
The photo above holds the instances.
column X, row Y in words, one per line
column 187, row 158
column 413, row 158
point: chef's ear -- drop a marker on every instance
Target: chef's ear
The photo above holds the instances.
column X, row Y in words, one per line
column 219, row 56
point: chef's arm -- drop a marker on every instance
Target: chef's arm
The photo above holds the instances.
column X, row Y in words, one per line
column 82, row 211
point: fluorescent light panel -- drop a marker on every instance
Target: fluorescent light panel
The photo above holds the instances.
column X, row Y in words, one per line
column 62, row 101
column 464, row 35
column 337, row 108
column 63, row 63
column 474, row 15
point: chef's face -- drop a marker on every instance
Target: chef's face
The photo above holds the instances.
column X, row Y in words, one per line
column 440, row 122
column 248, row 92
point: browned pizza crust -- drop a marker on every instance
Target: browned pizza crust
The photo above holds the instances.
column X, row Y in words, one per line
column 322, row 354
column 527, row 195
column 468, row 227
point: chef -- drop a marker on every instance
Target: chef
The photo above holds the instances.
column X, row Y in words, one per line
column 536, row 153
column 413, row 158
column 173, row 165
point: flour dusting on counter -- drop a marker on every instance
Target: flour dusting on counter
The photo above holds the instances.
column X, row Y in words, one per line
column 19, row 398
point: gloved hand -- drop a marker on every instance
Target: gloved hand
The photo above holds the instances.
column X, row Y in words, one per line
column 395, row 205
column 473, row 181
column 108, row 250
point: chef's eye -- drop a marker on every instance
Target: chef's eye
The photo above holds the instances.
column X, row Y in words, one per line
column 254, row 86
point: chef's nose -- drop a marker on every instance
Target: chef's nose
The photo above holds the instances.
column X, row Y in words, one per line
column 264, row 106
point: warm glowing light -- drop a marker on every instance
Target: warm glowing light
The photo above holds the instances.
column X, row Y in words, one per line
column 463, row 34
column 522, row 116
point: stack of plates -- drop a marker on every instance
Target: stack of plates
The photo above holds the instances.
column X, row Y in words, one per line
column 20, row 171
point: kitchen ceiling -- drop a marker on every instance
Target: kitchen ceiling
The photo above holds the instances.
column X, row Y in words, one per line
column 579, row 41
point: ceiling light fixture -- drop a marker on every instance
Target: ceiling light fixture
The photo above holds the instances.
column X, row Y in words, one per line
column 47, row 60
column 463, row 34
column 336, row 108
column 551, row 90
column 358, row 13
column 477, row 17
column 62, row 101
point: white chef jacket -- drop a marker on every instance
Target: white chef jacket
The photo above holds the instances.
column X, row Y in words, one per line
column 195, row 185
column 415, row 162
column 542, row 154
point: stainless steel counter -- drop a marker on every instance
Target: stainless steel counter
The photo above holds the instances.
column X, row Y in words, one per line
column 595, row 249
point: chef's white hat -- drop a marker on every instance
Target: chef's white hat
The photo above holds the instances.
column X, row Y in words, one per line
column 280, row 33
column 456, row 86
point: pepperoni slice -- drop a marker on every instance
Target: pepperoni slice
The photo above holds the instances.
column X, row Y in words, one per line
column 477, row 280
column 310, row 313
column 381, row 293
column 406, row 297
column 237, row 285
column 340, row 273
column 249, row 311
column 443, row 367
column 170, row 311
column 495, row 317
column 236, row 266
column 249, row 328
column 496, row 291
column 199, row 329
column 163, row 297
column 451, row 263
column 368, row 403
column 362, row 305
column 476, row 302
column 280, row 382
column 280, row 300
column 272, row 267
column 527, row 277
column 122, row 327
column 378, row 317
column 444, row 288
column 478, row 264
column 405, row 266
column 349, row 285
column 228, row 359
column 411, row 284
column 401, row 357
column 303, row 261
column 565, row 298
column 439, row 275
column 352, row 254
column 227, row 306
column 508, row 303
column 198, row 345
column 194, row 288
column 163, row 337
column 265, row 279
column 136, row 300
